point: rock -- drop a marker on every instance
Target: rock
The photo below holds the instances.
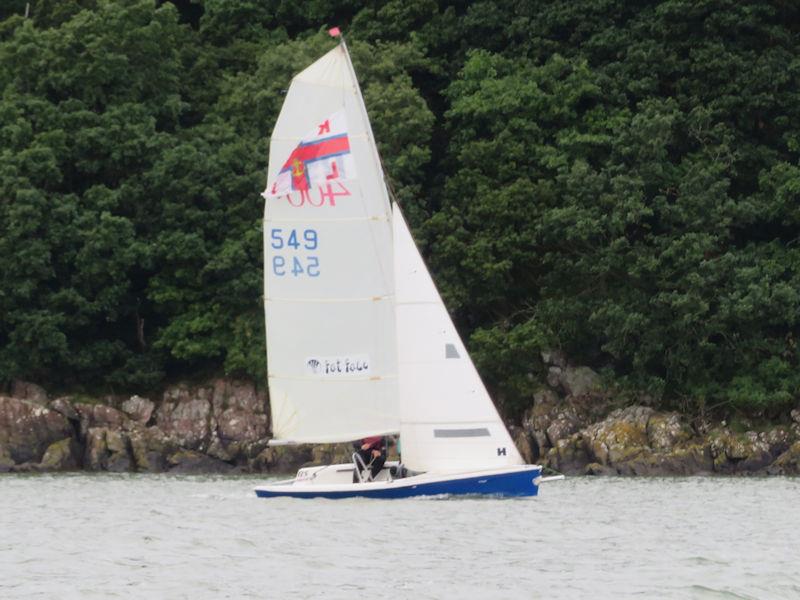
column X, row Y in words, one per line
column 191, row 462
column 598, row 469
column 332, row 454
column 554, row 358
column 578, row 381
column 6, row 462
column 239, row 395
column 218, row 450
column 282, row 459
column 787, row 463
column 687, row 459
column 61, row 456
column 226, row 419
column 564, row 425
column 149, row 449
column 107, row 450
column 691, row 459
column 525, row 446
column 99, row 415
column 27, row 429
column 552, row 419
column 139, row 409
column 64, row 407
column 236, row 425
column 96, row 450
column 778, row 440
column 569, row 455
column 621, row 436
column 185, row 417
column 119, row 456
column 554, row 375
column 664, row 431
column 536, row 419
column 29, row 391
column 738, row 453
column 796, row 415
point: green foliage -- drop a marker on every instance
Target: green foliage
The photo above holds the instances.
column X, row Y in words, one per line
column 617, row 180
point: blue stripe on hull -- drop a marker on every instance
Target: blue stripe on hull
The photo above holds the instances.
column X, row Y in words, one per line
column 519, row 483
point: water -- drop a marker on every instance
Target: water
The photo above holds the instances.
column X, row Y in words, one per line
column 135, row 536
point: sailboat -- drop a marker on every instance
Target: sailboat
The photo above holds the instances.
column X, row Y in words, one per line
column 359, row 342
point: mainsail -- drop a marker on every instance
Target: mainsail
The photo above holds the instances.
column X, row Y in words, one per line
column 448, row 421
column 329, row 282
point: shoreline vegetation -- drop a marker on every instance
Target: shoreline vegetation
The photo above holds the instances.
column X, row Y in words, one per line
column 619, row 181
column 574, row 427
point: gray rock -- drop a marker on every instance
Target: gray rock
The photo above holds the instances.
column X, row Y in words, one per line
column 599, row 469
column 149, row 449
column 119, row 456
column 554, row 358
column 620, row 436
column 27, row 429
column 578, row 381
column 331, row 454
column 191, row 462
column 107, row 450
column 525, row 446
column 96, row 450
column 6, row 462
column 61, row 456
column 738, row 452
column 787, row 463
column 564, row 425
column 63, row 406
column 554, row 375
column 99, row 415
column 664, row 431
column 139, row 409
column 778, row 440
column 569, row 455
column 31, row 392
column 282, row 459
column 217, row 449
column 185, row 417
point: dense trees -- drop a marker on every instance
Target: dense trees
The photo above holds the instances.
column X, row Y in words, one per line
column 621, row 182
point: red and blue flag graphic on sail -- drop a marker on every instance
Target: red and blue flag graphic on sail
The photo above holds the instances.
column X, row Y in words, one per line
column 321, row 156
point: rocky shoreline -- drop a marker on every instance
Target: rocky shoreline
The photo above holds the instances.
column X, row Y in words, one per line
column 572, row 426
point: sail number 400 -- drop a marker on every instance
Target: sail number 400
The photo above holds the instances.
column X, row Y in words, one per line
column 290, row 240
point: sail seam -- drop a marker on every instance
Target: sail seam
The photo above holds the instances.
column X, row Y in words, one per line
column 378, row 218
column 332, row 379
column 331, row 300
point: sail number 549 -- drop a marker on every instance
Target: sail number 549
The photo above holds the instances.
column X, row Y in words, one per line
column 296, row 243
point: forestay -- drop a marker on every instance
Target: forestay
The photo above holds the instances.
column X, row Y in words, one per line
column 448, row 421
column 329, row 284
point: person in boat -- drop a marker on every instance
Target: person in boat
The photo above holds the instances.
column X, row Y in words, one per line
column 372, row 451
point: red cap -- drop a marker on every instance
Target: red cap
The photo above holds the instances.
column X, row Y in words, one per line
column 334, row 32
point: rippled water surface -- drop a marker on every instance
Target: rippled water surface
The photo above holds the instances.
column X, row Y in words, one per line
column 105, row 536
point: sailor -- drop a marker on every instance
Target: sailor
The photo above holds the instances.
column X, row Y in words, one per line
column 372, row 451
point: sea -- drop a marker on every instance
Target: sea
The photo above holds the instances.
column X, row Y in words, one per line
column 202, row 537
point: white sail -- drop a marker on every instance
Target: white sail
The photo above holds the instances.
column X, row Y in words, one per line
column 448, row 421
column 329, row 283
